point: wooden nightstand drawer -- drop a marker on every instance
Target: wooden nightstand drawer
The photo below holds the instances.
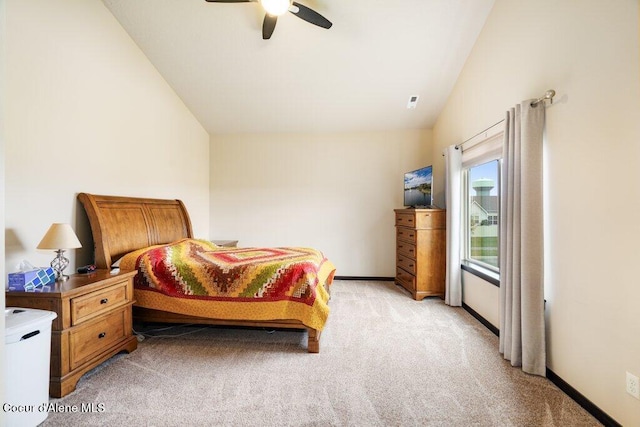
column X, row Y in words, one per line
column 406, row 249
column 91, row 305
column 94, row 337
column 407, row 280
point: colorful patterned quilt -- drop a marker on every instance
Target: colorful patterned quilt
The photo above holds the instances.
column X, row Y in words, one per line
column 198, row 278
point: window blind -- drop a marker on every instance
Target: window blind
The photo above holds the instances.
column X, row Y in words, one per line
column 483, row 148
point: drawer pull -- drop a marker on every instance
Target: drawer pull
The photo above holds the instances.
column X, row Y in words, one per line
column 30, row 335
column 102, row 335
column 104, row 300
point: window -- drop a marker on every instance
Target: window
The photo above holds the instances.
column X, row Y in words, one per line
column 481, row 164
column 483, row 209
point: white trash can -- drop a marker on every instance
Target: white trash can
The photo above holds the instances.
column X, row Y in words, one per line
column 26, row 370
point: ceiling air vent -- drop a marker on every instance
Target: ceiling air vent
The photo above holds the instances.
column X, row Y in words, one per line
column 413, row 101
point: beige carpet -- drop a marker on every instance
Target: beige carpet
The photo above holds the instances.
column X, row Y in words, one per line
column 385, row 360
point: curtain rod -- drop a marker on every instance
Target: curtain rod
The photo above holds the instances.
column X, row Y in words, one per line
column 479, row 133
column 547, row 95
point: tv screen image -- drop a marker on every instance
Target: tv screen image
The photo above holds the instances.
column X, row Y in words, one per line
column 417, row 187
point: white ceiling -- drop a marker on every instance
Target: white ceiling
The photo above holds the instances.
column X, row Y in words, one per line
column 356, row 76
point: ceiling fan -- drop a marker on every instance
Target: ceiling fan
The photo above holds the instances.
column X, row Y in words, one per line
column 275, row 8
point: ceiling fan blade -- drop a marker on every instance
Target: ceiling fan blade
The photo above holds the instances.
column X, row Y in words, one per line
column 268, row 25
column 309, row 15
column 229, row 1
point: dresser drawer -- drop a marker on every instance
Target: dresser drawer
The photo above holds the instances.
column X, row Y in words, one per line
column 94, row 337
column 407, row 280
column 430, row 219
column 91, row 305
column 405, row 220
column 406, row 263
column 406, row 249
column 406, row 234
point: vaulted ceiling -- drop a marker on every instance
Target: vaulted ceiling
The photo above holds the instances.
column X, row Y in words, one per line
column 356, row 76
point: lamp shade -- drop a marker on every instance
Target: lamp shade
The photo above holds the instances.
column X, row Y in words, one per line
column 60, row 236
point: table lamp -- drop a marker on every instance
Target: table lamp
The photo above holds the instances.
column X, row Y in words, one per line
column 60, row 237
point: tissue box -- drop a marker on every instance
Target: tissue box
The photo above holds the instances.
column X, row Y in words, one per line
column 28, row 280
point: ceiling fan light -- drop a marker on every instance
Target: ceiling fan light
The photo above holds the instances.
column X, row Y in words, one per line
column 275, row 7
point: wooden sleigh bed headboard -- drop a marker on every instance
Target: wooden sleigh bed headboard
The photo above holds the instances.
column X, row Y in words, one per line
column 123, row 224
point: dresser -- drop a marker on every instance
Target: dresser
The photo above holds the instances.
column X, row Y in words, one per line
column 420, row 251
column 93, row 324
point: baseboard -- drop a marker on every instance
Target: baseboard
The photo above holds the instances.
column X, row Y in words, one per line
column 588, row 405
column 481, row 319
column 574, row 394
column 377, row 279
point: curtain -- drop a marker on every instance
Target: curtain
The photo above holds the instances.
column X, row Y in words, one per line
column 522, row 330
column 453, row 198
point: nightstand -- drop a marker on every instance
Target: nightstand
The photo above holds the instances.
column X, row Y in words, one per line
column 226, row 243
column 93, row 323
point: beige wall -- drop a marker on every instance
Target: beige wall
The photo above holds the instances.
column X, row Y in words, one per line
column 588, row 51
column 86, row 111
column 482, row 296
column 335, row 192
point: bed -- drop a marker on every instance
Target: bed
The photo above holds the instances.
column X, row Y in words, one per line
column 134, row 233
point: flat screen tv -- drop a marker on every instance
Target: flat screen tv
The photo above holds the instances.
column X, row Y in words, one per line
column 417, row 187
